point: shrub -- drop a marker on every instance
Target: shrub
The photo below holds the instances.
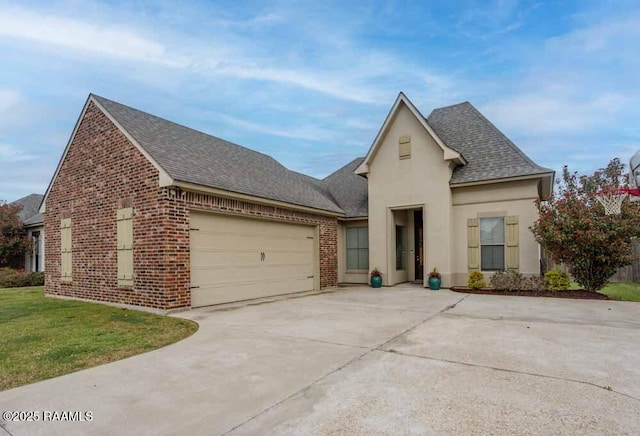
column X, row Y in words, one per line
column 534, row 283
column 557, row 280
column 35, row 279
column 12, row 278
column 476, row 280
column 574, row 229
column 507, row 281
column 13, row 237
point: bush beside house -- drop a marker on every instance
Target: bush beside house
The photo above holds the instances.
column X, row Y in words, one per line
column 13, row 278
column 574, row 229
column 13, row 237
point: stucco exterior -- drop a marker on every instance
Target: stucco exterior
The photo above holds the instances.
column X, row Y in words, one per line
column 397, row 185
column 403, row 187
column 495, row 200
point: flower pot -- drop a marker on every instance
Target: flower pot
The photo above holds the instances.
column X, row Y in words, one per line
column 376, row 281
column 434, row 283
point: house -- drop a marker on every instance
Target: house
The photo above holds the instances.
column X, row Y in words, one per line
column 34, row 224
column 146, row 212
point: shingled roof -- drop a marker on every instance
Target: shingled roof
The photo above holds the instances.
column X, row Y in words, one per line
column 349, row 189
column 30, row 205
column 490, row 155
column 191, row 156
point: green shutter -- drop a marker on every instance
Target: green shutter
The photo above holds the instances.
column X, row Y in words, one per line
column 65, row 250
column 473, row 244
column 125, row 246
column 513, row 242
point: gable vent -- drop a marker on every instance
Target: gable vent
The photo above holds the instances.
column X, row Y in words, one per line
column 405, row 147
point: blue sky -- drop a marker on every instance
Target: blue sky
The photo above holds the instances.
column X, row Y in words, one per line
column 311, row 82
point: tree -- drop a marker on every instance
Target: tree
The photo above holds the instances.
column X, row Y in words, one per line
column 13, row 238
column 573, row 228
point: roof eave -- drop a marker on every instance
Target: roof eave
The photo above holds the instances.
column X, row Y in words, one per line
column 189, row 186
column 36, row 224
column 547, row 175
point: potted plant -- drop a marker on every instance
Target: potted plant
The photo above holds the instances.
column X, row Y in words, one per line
column 434, row 280
column 376, row 278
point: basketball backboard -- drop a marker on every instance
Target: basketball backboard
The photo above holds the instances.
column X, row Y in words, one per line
column 634, row 170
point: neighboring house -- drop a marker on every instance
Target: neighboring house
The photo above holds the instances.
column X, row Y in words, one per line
column 147, row 212
column 34, row 224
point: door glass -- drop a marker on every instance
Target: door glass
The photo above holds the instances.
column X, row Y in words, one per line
column 400, row 248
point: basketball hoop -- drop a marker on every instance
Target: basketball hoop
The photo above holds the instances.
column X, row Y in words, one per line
column 612, row 200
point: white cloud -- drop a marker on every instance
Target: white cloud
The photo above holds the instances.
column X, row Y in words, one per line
column 106, row 40
column 15, row 111
column 606, row 39
column 9, row 99
column 546, row 112
column 308, row 133
column 350, row 73
column 10, row 153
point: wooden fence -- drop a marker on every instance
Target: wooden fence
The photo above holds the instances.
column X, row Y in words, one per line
column 629, row 273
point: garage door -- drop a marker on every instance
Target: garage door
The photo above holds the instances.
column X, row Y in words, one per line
column 234, row 259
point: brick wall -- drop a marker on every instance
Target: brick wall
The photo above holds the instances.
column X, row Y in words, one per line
column 101, row 172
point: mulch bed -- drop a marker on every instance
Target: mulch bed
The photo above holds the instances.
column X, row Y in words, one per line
column 578, row 294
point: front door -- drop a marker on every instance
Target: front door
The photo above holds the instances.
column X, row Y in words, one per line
column 419, row 248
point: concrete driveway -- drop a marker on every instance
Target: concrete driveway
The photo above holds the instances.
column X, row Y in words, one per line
column 401, row 360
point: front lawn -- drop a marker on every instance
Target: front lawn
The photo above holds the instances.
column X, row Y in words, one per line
column 44, row 337
column 623, row 291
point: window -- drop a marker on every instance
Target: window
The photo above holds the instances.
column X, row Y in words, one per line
column 401, row 258
column 357, row 248
column 65, row 250
column 492, row 244
column 125, row 246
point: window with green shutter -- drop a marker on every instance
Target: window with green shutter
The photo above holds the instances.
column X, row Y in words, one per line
column 357, row 248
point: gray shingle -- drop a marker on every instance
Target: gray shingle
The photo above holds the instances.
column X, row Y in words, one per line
column 30, row 206
column 489, row 153
column 349, row 189
column 35, row 220
column 191, row 156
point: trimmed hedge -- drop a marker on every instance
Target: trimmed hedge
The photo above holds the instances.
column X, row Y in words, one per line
column 13, row 278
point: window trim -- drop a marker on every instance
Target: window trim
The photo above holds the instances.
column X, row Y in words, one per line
column 503, row 244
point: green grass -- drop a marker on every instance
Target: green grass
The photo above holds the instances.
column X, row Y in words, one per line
column 44, row 337
column 623, row 291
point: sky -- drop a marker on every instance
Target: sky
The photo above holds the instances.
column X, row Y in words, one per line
column 311, row 82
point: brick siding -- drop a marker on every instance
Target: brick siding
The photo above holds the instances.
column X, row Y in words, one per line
column 103, row 171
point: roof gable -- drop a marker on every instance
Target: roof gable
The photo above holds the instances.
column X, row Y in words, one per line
column 448, row 153
column 489, row 153
column 181, row 154
column 193, row 157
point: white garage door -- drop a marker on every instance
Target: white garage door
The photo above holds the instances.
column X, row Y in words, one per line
column 234, row 259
